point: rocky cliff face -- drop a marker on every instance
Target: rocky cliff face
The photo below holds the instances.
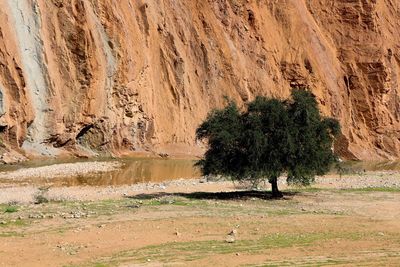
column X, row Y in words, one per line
column 92, row 76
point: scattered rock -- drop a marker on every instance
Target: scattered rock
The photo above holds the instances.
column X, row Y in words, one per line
column 177, row 233
column 230, row 239
column 233, row 232
column 11, row 157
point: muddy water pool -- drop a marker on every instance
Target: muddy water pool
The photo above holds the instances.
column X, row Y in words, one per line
column 132, row 171
column 143, row 170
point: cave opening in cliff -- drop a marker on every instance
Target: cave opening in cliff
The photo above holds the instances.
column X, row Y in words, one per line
column 3, row 129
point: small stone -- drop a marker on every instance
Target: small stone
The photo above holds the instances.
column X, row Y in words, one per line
column 233, row 232
column 177, row 233
column 230, row 239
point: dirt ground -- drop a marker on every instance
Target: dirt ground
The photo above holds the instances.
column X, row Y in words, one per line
column 209, row 225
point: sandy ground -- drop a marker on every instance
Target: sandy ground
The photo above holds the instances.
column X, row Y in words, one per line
column 344, row 221
column 306, row 228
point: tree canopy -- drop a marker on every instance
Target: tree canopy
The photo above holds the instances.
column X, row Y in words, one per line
column 269, row 138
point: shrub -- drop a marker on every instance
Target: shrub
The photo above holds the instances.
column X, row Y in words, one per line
column 11, row 209
column 41, row 196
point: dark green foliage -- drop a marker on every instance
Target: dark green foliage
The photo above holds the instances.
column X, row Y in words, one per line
column 11, row 209
column 313, row 136
column 269, row 138
column 223, row 129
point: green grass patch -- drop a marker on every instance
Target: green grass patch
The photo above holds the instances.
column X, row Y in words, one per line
column 372, row 189
column 305, row 189
column 19, row 223
column 14, row 223
column 334, row 190
column 11, row 209
column 304, row 262
column 94, row 208
column 191, row 251
column 11, row 234
column 165, row 202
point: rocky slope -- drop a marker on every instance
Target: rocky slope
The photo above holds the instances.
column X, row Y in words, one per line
column 91, row 76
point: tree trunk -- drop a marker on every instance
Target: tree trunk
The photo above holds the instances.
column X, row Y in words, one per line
column 275, row 191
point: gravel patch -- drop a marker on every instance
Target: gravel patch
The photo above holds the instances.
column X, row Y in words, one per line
column 62, row 170
column 383, row 179
column 368, row 180
column 26, row 194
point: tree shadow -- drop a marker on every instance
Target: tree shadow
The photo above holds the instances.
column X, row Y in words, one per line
column 234, row 195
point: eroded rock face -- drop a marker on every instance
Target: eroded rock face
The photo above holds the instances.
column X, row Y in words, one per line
column 86, row 77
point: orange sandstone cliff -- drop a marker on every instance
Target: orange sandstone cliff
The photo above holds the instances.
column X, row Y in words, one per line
column 84, row 77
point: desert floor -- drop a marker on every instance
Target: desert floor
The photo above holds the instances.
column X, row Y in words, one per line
column 349, row 220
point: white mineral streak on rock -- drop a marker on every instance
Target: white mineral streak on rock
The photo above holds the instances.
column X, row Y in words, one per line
column 26, row 17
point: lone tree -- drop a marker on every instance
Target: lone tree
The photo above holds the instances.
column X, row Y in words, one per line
column 268, row 139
